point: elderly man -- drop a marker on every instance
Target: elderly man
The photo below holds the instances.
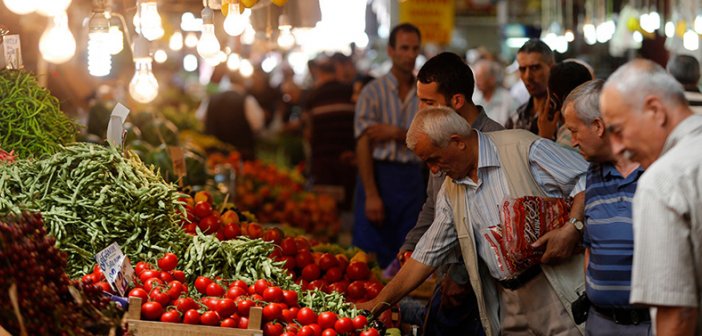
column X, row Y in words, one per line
column 498, row 103
column 651, row 122
column 686, row 70
column 482, row 170
column 608, row 238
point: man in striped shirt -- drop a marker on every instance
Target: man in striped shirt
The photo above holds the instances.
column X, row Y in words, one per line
column 608, row 236
column 390, row 190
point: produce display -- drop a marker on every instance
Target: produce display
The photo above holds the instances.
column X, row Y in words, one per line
column 32, row 269
column 91, row 196
column 31, row 122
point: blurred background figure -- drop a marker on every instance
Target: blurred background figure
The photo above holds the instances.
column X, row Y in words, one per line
column 491, row 95
column 565, row 77
column 232, row 115
column 686, row 70
column 344, row 67
column 535, row 60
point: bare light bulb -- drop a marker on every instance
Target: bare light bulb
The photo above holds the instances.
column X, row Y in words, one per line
column 691, row 40
column 249, row 35
column 698, row 24
column 116, row 38
column 21, row 7
column 190, row 63
column 246, row 69
column 286, row 40
column 149, row 21
column 208, row 46
column 51, row 7
column 235, row 23
column 590, row 33
column 57, row 44
column 669, row 29
column 143, row 87
column 191, row 40
column 175, row 43
column 233, row 62
column 160, row 56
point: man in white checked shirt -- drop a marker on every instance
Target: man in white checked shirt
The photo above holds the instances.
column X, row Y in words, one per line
column 651, row 123
column 481, row 170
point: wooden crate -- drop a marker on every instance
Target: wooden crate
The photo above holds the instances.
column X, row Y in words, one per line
column 138, row 327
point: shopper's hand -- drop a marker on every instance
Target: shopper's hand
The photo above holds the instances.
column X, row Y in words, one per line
column 368, row 305
column 375, row 212
column 548, row 128
column 383, row 132
column 560, row 244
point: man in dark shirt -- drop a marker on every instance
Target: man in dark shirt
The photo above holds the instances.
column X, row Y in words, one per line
column 447, row 81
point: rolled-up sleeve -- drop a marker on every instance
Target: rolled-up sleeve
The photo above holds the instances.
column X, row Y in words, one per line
column 561, row 172
column 436, row 247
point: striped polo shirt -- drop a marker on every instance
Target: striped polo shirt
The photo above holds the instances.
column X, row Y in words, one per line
column 608, row 234
column 380, row 103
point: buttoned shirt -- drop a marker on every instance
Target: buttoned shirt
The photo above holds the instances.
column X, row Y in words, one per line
column 667, row 267
column 558, row 171
column 608, row 234
column 380, row 103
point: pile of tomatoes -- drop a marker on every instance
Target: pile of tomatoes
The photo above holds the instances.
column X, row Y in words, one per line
column 216, row 302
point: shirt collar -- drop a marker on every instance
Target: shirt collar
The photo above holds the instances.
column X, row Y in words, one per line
column 487, row 157
column 481, row 120
column 691, row 124
column 609, row 170
column 393, row 83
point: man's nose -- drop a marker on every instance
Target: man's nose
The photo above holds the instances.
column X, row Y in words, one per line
column 618, row 147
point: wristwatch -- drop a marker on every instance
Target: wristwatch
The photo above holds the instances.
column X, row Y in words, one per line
column 577, row 223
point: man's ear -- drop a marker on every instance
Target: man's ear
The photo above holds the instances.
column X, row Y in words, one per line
column 457, row 101
column 599, row 126
column 458, row 140
column 654, row 108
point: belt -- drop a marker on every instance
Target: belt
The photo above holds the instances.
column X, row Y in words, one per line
column 623, row 315
column 521, row 279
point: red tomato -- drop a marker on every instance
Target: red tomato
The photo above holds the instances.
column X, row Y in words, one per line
column 244, row 323
column 373, row 289
column 254, row 230
column 185, row 304
column 334, row 274
column 287, row 315
column 226, row 307
column 228, row 323
column 370, row 332
column 274, row 235
column 339, row 286
column 260, row 286
column 306, row 316
column 306, row 331
column 210, row 318
column 151, row 311
column 256, row 298
column 141, row 267
column 317, row 329
column 327, row 261
column 104, row 286
column 171, row 316
column 152, row 283
column 202, row 209
column 311, row 272
column 288, row 246
column 343, row 261
column 357, row 271
column 178, row 275
column 343, row 325
column 329, row 332
column 140, row 293
column 191, row 316
column 168, row 262
column 231, row 231
column 175, row 288
column 360, row 322
column 244, row 306
column 289, row 262
column 292, row 328
column 319, row 284
column 190, row 228
column 273, row 294
column 302, row 243
column 209, row 224
column 89, row 278
column 148, row 274
column 271, row 312
column 201, row 284
column 160, row 297
column 272, row 329
column 289, row 333
column 326, row 320
column 290, row 297
column 214, row 289
column 165, row 276
column 239, row 283
column 303, row 259
column 356, row 290
column 234, row 292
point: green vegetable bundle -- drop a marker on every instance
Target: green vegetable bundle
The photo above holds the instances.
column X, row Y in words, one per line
column 91, row 196
column 239, row 259
column 31, row 122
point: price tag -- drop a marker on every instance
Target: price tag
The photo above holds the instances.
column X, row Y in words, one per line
column 12, row 52
column 115, row 128
column 116, row 267
column 178, row 161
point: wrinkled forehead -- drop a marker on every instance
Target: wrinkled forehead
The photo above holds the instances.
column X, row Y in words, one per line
column 525, row 59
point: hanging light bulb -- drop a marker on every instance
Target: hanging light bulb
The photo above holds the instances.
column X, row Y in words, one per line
column 175, row 42
column 57, row 44
column 669, row 29
column 605, row 31
column 590, row 33
column 149, row 20
column 235, row 23
column 116, row 38
column 143, row 87
column 21, row 7
column 637, row 36
column 208, row 46
column 190, row 62
column 655, row 19
column 160, row 56
column 286, row 40
column 233, row 62
column 691, row 40
column 51, row 7
column 698, row 24
column 246, row 69
column 569, row 36
column 249, row 35
column 99, row 59
column 191, row 40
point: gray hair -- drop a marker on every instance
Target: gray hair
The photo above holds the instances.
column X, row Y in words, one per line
column 685, row 69
column 438, row 123
column 640, row 78
column 586, row 100
column 495, row 70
